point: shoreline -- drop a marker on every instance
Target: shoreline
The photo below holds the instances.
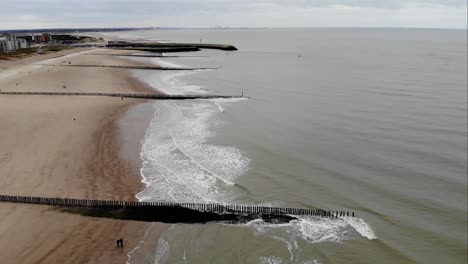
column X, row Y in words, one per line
column 68, row 147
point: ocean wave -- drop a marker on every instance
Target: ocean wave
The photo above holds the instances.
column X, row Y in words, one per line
column 311, row 230
column 279, row 260
column 162, row 252
column 179, row 163
column 142, row 241
column 314, row 229
column 169, row 82
column 270, row 260
column 168, row 64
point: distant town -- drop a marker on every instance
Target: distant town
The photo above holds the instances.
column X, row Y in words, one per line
column 14, row 46
column 9, row 42
column 12, row 42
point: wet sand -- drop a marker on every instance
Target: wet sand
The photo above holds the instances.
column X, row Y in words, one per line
column 69, row 147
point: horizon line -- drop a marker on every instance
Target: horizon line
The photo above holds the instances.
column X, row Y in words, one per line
column 217, row 27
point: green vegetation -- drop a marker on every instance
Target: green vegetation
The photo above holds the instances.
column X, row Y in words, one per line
column 28, row 52
column 75, row 39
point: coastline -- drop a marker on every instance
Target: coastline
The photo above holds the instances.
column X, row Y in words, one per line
column 68, row 147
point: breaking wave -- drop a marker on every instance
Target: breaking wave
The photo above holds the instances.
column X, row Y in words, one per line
column 181, row 164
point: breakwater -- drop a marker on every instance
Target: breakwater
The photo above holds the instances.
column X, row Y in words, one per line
column 144, row 55
column 156, row 68
column 174, row 212
column 129, row 95
column 125, row 44
column 160, row 50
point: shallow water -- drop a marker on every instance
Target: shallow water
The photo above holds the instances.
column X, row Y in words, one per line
column 366, row 120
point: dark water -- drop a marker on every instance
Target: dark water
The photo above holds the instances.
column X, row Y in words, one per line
column 368, row 120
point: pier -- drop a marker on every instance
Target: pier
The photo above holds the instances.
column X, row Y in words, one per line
column 175, row 212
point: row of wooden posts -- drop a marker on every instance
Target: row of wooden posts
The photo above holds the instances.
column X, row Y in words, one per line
column 213, row 208
column 130, row 95
column 135, row 67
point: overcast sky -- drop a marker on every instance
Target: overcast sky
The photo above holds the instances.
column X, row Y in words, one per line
column 27, row 14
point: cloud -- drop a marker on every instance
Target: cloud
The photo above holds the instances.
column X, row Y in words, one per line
column 234, row 13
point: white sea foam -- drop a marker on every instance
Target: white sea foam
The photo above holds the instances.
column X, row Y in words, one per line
column 318, row 229
column 361, row 227
column 224, row 102
column 278, row 260
column 168, row 64
column 311, row 230
column 181, row 165
column 220, row 107
column 162, row 252
column 270, row 260
column 313, row 261
column 179, row 162
column 169, row 81
column 142, row 241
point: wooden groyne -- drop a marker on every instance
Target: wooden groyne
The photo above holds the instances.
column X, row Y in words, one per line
column 144, row 55
column 154, row 68
column 125, row 44
column 130, row 95
column 175, row 212
column 160, row 50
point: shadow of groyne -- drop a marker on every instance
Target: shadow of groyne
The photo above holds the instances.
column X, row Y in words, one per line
column 144, row 55
column 130, row 95
column 173, row 215
column 159, row 50
column 174, row 212
column 173, row 46
column 155, row 68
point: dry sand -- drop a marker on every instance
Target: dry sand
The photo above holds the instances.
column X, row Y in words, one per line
column 67, row 147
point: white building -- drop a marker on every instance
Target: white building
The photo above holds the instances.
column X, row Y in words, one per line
column 22, row 43
column 3, row 44
column 9, row 42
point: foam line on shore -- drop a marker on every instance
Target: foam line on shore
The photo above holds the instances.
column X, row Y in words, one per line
column 181, row 145
column 306, row 229
column 142, row 241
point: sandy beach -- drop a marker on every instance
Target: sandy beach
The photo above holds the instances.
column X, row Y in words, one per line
column 59, row 146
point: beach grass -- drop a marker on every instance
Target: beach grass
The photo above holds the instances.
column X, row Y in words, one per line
column 28, row 52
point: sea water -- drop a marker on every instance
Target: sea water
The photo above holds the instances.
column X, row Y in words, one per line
column 366, row 120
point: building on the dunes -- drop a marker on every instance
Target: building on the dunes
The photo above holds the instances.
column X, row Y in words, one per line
column 43, row 38
column 9, row 42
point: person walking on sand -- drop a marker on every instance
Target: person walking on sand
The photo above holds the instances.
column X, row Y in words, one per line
column 120, row 242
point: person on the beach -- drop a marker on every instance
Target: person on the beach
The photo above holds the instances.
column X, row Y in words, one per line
column 120, row 242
